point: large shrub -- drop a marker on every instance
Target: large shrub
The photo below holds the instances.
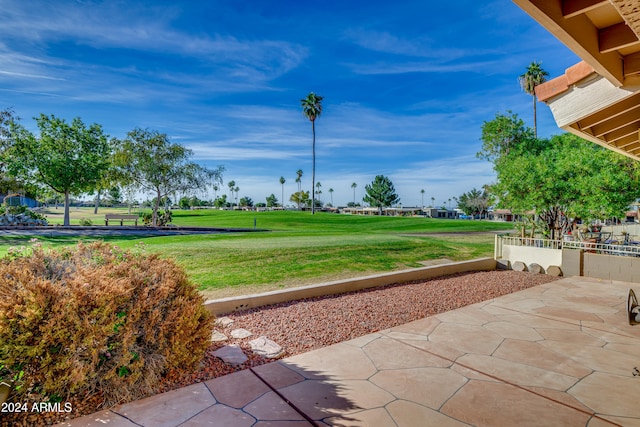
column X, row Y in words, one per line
column 94, row 318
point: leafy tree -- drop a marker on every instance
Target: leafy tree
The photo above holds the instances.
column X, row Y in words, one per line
column 301, row 198
column 272, row 201
column 561, row 178
column 156, row 164
column 69, row 158
column 115, row 195
column 474, row 202
column 312, row 109
column 246, row 202
column 533, row 77
column 380, row 193
column 221, row 202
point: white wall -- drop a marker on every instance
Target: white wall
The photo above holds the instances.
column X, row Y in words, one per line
column 529, row 254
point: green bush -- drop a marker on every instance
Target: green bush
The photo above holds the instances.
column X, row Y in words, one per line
column 94, row 318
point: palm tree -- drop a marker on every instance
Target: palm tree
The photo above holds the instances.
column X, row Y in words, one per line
column 433, row 201
column 533, row 77
column 422, row 194
column 282, row 181
column 299, row 179
column 354, row 185
column 215, row 191
column 231, row 184
column 312, row 108
column 318, row 190
column 331, row 194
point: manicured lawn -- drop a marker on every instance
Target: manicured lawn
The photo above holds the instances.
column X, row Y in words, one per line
column 299, row 248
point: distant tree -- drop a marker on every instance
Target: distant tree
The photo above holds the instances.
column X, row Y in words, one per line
column 282, row 181
column 299, row 182
column 353, row 205
column 474, row 202
column 433, row 201
column 318, row 191
column 381, row 193
column 312, row 109
column 236, row 190
column 69, row 158
column 115, row 195
column 231, row 185
column 215, row 188
column 299, row 179
column 301, row 198
column 221, row 201
column 156, row 164
column 422, row 194
column 272, row 201
column 354, row 185
column 246, row 202
column 533, row 77
column 331, row 194
column 184, row 203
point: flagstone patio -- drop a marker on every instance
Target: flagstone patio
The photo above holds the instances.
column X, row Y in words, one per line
column 556, row 354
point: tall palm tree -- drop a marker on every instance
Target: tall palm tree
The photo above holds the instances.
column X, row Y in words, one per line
column 231, row 185
column 299, row 179
column 433, row 201
column 533, row 77
column 312, row 109
column 282, row 181
column 331, row 194
column 422, row 194
column 354, row 185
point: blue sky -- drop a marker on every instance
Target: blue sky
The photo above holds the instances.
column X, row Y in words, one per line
column 406, row 84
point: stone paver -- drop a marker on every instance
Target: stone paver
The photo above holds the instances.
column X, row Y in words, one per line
column 557, row 354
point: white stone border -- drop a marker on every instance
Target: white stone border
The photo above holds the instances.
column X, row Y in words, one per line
column 228, row 305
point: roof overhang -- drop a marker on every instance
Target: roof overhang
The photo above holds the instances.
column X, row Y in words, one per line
column 598, row 99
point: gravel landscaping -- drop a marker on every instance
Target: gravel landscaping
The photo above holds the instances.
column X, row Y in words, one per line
column 305, row 325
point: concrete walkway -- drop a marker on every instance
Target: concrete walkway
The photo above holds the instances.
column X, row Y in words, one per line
column 559, row 354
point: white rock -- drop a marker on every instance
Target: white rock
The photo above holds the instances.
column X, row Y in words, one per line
column 266, row 348
column 224, row 322
column 240, row 333
column 218, row 336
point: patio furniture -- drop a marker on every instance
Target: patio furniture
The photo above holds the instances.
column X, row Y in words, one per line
column 633, row 310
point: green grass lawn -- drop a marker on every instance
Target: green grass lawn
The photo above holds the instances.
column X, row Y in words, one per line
column 298, row 249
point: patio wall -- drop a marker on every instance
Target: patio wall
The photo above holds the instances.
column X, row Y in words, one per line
column 545, row 257
column 228, row 305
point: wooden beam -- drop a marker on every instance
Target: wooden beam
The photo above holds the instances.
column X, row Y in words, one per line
column 625, row 143
column 578, row 34
column 632, row 64
column 616, row 37
column 618, row 134
column 621, row 107
column 615, row 123
column 571, row 8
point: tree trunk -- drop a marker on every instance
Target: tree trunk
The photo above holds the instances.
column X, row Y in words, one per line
column 66, row 221
column 535, row 116
column 313, row 172
column 95, row 208
column 154, row 217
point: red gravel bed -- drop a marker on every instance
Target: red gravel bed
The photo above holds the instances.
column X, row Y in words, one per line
column 305, row 325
